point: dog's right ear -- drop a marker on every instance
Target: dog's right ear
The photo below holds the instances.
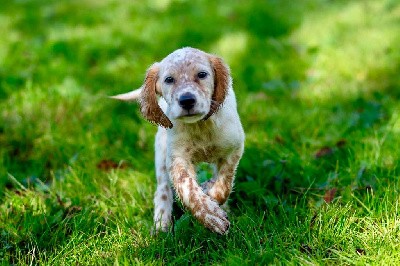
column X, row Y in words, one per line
column 148, row 99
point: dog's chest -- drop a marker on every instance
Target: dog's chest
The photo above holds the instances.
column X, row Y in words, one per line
column 206, row 146
column 210, row 153
column 206, row 141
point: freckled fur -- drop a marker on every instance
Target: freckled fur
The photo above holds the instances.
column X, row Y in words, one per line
column 215, row 135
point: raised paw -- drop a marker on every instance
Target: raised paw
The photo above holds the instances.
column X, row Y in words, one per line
column 213, row 217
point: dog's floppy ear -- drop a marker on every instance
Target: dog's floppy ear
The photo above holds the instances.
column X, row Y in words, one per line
column 148, row 99
column 221, row 83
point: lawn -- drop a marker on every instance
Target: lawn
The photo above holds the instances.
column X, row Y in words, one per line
column 318, row 91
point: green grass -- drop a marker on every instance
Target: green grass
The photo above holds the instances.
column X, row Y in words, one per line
column 318, row 91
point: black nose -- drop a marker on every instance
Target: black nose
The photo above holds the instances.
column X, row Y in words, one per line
column 187, row 101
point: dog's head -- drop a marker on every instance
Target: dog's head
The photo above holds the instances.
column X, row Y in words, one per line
column 193, row 83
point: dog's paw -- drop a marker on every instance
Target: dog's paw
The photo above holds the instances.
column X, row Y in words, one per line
column 162, row 225
column 160, row 229
column 213, row 217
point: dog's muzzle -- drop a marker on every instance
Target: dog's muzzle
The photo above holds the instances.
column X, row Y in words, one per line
column 187, row 101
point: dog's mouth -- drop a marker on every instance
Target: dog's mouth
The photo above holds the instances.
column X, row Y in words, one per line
column 190, row 118
column 189, row 115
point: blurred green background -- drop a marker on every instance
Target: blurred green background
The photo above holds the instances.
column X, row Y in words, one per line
column 318, row 91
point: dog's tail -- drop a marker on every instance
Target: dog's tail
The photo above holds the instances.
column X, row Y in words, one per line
column 129, row 96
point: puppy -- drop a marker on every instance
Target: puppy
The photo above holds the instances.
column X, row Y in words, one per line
column 197, row 122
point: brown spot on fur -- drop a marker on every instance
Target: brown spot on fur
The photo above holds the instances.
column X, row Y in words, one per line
column 221, row 197
column 190, row 185
column 182, row 176
column 196, row 203
column 222, row 189
column 164, row 197
column 236, row 158
column 203, row 202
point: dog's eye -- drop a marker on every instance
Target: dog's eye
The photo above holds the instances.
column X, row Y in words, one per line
column 202, row 75
column 169, row 80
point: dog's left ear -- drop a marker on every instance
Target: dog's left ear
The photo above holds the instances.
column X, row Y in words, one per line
column 221, row 83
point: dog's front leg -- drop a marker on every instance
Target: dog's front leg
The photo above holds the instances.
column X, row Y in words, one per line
column 220, row 187
column 163, row 198
column 203, row 208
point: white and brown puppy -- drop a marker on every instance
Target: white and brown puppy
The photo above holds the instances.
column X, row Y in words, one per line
column 198, row 122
